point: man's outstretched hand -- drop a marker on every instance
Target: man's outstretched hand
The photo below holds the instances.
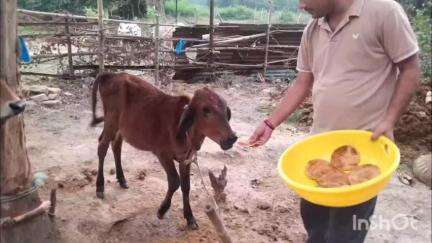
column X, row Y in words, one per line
column 260, row 136
column 384, row 128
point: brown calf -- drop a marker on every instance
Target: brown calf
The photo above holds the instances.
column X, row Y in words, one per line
column 171, row 127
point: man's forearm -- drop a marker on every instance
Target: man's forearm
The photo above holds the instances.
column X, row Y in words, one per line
column 409, row 80
column 293, row 97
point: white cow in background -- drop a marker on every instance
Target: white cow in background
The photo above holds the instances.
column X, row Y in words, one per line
column 129, row 29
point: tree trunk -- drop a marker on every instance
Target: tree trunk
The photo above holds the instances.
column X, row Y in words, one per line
column 15, row 168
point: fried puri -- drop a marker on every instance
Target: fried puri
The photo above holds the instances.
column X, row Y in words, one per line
column 363, row 173
column 345, row 158
column 317, row 168
column 333, row 178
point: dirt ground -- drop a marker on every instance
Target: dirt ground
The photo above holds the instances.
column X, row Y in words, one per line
column 259, row 206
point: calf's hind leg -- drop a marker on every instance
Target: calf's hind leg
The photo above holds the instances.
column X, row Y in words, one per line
column 104, row 141
column 116, row 146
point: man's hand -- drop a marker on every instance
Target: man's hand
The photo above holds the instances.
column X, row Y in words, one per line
column 261, row 135
column 409, row 81
column 384, row 128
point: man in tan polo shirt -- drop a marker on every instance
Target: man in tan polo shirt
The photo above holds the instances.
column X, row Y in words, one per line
column 359, row 59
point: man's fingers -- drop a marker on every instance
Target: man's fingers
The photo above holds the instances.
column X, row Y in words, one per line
column 376, row 135
column 380, row 131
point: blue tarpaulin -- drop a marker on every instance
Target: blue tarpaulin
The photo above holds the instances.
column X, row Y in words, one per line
column 180, row 47
column 24, row 51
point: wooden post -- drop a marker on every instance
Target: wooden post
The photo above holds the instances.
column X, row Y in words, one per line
column 156, row 60
column 15, row 168
column 211, row 44
column 101, row 36
column 268, row 36
column 69, row 46
column 176, row 11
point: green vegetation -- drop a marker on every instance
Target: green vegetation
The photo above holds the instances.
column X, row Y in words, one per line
column 236, row 12
column 185, row 9
column 422, row 25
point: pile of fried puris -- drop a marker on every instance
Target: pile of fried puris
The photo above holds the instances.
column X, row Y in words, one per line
column 342, row 170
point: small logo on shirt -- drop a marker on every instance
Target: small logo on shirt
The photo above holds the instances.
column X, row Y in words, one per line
column 356, row 36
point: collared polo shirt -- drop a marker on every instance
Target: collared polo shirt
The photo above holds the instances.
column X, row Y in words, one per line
column 354, row 66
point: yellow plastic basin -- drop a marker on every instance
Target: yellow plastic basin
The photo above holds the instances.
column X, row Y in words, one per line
column 382, row 153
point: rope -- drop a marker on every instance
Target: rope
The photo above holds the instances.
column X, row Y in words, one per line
column 212, row 200
column 38, row 182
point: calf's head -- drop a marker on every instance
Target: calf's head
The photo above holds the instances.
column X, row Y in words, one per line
column 209, row 115
column 10, row 104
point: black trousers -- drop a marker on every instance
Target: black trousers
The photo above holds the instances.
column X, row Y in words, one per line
column 336, row 225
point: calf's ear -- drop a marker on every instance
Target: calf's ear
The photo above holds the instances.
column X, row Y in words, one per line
column 186, row 121
column 228, row 113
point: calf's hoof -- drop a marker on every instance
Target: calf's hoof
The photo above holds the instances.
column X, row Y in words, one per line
column 100, row 195
column 192, row 224
column 163, row 209
column 123, row 184
column 160, row 214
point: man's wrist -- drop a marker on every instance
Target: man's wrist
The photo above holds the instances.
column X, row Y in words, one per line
column 390, row 120
column 269, row 124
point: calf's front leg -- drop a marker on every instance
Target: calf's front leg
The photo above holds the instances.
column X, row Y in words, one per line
column 173, row 184
column 185, row 187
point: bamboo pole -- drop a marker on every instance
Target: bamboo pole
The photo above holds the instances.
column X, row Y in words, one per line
column 270, row 3
column 176, row 11
column 69, row 47
column 194, row 65
column 211, row 42
column 64, row 55
column 101, row 35
column 156, row 60
column 55, row 23
column 238, row 39
column 31, row 12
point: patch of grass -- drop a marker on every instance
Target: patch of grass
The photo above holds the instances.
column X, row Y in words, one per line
column 26, row 30
column 286, row 17
column 185, row 9
column 236, row 12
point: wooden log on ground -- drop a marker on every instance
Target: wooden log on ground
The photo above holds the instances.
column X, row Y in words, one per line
column 218, row 184
column 215, row 219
